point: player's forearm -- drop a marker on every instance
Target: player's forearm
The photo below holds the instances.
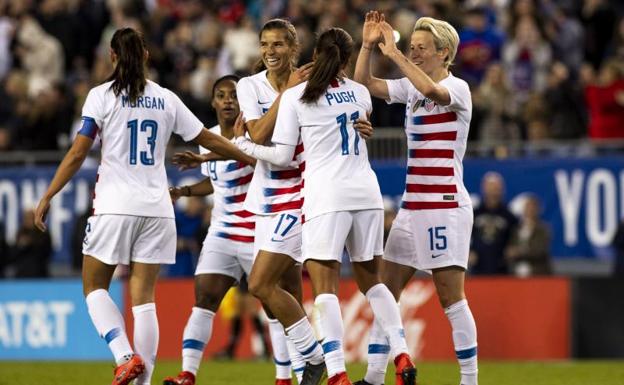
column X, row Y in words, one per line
column 278, row 154
column 220, row 145
column 362, row 72
column 261, row 130
column 421, row 81
column 67, row 169
column 201, row 188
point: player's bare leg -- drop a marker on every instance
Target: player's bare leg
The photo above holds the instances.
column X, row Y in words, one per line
column 275, row 280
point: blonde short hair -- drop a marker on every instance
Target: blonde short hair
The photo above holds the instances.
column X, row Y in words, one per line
column 444, row 36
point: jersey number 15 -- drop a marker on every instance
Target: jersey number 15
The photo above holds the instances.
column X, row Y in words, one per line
column 147, row 157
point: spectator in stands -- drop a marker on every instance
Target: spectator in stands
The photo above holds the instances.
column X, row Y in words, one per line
column 526, row 58
column 493, row 223
column 6, row 35
column 481, row 44
column 565, row 32
column 568, row 115
column 604, row 95
column 528, row 252
column 188, row 222
column 598, row 18
column 494, row 101
column 40, row 54
column 30, row 256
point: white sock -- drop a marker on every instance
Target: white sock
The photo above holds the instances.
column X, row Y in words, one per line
column 196, row 335
column 378, row 351
column 280, row 350
column 297, row 362
column 464, row 339
column 330, row 319
column 146, row 339
column 301, row 334
column 109, row 323
column 388, row 315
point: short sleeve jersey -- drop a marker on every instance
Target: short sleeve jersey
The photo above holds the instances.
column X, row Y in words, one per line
column 230, row 180
column 273, row 188
column 131, row 178
column 436, row 143
column 338, row 175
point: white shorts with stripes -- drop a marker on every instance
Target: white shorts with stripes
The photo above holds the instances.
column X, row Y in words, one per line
column 430, row 239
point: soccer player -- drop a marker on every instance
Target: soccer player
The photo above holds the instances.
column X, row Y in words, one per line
column 133, row 220
column 227, row 251
column 274, row 196
column 432, row 229
column 343, row 204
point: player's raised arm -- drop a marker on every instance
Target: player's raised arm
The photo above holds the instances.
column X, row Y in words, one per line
column 371, row 35
column 222, row 146
column 423, row 83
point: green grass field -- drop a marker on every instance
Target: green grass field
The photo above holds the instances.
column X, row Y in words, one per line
column 239, row 373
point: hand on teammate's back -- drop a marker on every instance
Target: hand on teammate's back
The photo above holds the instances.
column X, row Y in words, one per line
column 300, row 75
column 364, row 127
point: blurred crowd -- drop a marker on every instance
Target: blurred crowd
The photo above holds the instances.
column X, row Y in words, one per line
column 539, row 69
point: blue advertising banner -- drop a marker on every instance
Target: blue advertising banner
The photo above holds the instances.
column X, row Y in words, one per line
column 582, row 199
column 49, row 320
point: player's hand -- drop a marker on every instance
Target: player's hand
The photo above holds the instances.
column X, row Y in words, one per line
column 300, row 75
column 239, row 126
column 175, row 193
column 187, row 160
column 364, row 127
column 388, row 45
column 371, row 33
column 41, row 213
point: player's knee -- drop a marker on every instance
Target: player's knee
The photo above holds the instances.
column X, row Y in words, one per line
column 259, row 289
column 207, row 301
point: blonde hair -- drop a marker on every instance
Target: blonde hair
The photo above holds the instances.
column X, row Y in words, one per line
column 444, row 36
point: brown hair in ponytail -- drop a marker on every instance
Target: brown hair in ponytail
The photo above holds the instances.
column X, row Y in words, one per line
column 332, row 52
column 291, row 39
column 129, row 73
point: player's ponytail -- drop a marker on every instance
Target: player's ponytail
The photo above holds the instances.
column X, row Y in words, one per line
column 129, row 73
column 332, row 52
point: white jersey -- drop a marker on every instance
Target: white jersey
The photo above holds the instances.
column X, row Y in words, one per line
column 230, row 180
column 338, row 175
column 273, row 188
column 436, row 143
column 131, row 178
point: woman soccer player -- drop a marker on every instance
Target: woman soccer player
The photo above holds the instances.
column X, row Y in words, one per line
column 432, row 229
column 227, row 251
column 274, row 196
column 343, row 204
column 132, row 221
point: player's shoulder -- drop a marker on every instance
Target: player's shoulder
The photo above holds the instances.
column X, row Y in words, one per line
column 253, row 80
column 152, row 87
column 455, row 82
column 294, row 93
column 101, row 89
column 358, row 87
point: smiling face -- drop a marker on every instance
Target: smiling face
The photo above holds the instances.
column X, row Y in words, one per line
column 275, row 50
column 424, row 54
column 224, row 100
